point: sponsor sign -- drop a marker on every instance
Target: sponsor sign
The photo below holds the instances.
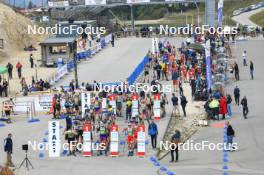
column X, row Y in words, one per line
column 54, row 139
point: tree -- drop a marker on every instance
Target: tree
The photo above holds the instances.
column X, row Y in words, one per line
column 30, row 4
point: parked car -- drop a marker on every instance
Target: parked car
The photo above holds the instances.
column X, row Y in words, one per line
column 253, row 7
column 237, row 12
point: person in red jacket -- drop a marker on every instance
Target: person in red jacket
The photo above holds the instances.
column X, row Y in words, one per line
column 19, row 69
column 223, row 106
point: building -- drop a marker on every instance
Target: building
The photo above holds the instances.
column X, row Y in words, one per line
column 54, row 50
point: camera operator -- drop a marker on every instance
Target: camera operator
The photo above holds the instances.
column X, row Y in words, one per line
column 8, row 147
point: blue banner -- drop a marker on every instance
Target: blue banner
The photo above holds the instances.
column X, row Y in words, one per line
column 208, row 64
column 220, row 12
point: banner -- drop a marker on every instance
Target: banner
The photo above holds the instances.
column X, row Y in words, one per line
column 208, row 64
column 134, row 105
column 86, row 102
column 114, row 140
column 137, row 1
column 58, row 3
column 54, row 139
column 61, row 72
column 87, row 144
column 95, row 2
column 112, row 102
column 141, row 148
column 220, row 12
column 156, row 107
column 155, row 45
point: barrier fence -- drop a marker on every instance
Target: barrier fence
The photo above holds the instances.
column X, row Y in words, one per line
column 85, row 54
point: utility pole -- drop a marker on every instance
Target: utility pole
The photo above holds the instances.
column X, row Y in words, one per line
column 132, row 18
column 75, row 64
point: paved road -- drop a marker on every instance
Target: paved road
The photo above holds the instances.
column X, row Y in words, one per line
column 244, row 17
column 248, row 159
column 112, row 64
column 118, row 62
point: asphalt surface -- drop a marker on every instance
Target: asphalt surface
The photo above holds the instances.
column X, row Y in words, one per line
column 247, row 160
column 112, row 64
column 244, row 17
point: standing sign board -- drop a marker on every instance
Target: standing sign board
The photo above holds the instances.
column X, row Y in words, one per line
column 134, row 105
column 54, row 139
column 104, row 104
column 87, row 143
column 114, row 140
column 156, row 107
column 86, row 102
column 112, row 102
column 141, row 149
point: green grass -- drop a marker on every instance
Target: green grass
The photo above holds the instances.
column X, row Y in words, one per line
column 258, row 18
column 179, row 19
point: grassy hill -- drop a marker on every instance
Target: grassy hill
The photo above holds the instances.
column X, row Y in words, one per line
column 178, row 14
column 258, row 18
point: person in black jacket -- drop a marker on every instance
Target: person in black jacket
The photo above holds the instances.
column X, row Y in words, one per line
column 244, row 104
column 230, row 136
column 8, row 148
column 183, row 104
column 237, row 95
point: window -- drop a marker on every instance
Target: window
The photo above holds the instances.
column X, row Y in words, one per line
column 57, row 50
column 1, row 44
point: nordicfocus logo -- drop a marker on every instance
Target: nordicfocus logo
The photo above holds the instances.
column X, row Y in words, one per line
column 40, row 146
column 189, row 145
column 190, row 29
column 137, row 87
column 72, row 29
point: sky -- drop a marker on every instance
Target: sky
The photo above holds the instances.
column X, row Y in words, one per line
column 20, row 3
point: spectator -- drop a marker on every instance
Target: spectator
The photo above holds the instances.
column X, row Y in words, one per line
column 251, row 67
column 237, row 95
column 229, row 101
column 8, row 147
column 223, row 106
column 174, row 100
column 19, row 69
column 244, row 104
column 31, row 60
column 230, row 136
column 9, row 67
column 183, row 104
column 153, row 132
column 175, row 140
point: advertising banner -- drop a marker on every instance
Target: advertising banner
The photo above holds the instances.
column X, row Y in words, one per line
column 95, row 2
column 114, row 140
column 134, row 105
column 141, row 149
column 112, row 102
column 87, row 143
column 208, row 64
column 156, row 107
column 137, row 1
column 54, row 139
column 220, row 12
column 58, row 3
